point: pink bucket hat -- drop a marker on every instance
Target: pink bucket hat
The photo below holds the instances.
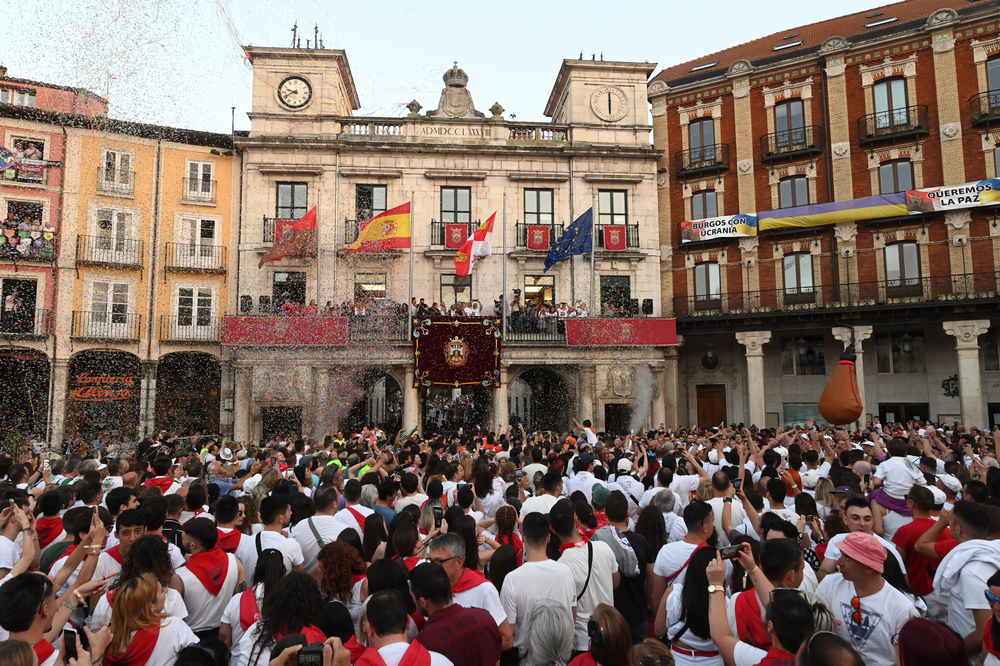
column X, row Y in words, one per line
column 864, row 548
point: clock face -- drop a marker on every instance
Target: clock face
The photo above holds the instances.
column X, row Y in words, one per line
column 609, row 103
column 294, row 92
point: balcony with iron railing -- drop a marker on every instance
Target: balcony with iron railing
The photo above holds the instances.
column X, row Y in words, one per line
column 876, row 297
column 106, row 325
column 379, row 327
column 192, row 327
column 631, row 235
column 713, row 158
column 194, row 257
column 198, row 190
column 25, row 324
column 116, row 182
column 984, row 108
column 523, row 229
column 109, row 251
column 794, row 143
column 903, row 123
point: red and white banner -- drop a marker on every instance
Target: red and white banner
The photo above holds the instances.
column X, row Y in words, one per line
column 284, row 331
column 538, row 237
column 474, row 248
column 614, row 238
column 455, row 235
column 601, row 332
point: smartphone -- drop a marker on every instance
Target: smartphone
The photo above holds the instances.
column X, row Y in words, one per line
column 438, row 515
column 729, row 552
column 69, row 644
column 868, row 479
column 736, row 484
column 519, row 474
column 311, row 655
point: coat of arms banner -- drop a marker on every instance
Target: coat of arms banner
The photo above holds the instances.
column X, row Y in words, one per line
column 457, row 352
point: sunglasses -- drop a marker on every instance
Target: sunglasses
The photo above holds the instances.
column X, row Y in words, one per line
column 594, row 632
column 442, row 561
column 856, row 613
column 990, row 598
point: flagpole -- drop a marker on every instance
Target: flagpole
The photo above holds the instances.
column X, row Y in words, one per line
column 319, row 250
column 593, row 252
column 503, row 283
column 409, row 301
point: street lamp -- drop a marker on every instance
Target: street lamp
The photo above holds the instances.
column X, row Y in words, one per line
column 802, row 346
column 906, row 341
column 709, row 350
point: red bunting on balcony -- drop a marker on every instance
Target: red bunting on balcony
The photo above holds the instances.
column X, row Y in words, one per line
column 284, row 331
column 455, row 235
column 601, row 332
column 538, row 237
column 457, row 352
column 614, row 238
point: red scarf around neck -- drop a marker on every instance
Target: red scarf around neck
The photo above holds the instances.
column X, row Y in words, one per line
column 469, row 580
column 991, row 647
column 140, row 648
column 415, row 655
column 229, row 541
column 48, row 530
column 164, row 483
column 115, row 553
column 43, row 649
column 358, row 516
column 68, row 552
column 210, row 568
column 249, row 609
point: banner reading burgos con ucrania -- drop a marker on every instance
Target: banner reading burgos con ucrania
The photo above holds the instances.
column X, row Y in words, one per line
column 953, row 197
column 728, row 226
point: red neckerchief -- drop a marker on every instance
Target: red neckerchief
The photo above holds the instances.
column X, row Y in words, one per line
column 249, row 609
column 67, row 552
column 210, row 568
column 162, row 482
column 312, row 634
column 418, row 619
column 229, row 541
column 750, row 626
column 415, row 655
column 358, row 516
column 43, row 649
column 776, row 657
column 991, row 647
column 110, row 596
column 563, row 547
column 355, row 648
column 357, row 579
column 469, row 580
column 48, row 529
column 140, row 648
column 115, row 553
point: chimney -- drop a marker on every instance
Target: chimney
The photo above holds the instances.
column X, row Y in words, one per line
column 3, row 72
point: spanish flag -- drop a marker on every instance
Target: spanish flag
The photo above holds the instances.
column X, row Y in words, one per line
column 387, row 231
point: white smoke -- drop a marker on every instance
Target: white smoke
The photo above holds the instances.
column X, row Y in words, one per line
column 643, row 388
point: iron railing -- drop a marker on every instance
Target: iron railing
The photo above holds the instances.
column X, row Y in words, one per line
column 269, row 229
column 906, row 122
column 115, row 181
column 439, row 229
column 109, row 250
column 631, row 235
column 885, row 293
column 984, row 108
column 195, row 257
column 704, row 159
column 26, row 323
column 521, row 230
column 106, row 325
column 190, row 328
column 198, row 190
column 522, row 328
column 378, row 326
column 797, row 142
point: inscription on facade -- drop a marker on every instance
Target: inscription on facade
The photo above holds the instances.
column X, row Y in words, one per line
column 485, row 132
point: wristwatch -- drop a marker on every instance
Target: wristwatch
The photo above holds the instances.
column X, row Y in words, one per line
column 727, row 500
column 716, row 588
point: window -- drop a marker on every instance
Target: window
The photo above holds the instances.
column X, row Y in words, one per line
column 369, row 286
column 539, row 289
column 117, row 174
column 701, row 140
column 197, row 243
column 612, row 206
column 790, row 122
column 891, row 104
column 369, row 201
column 990, row 343
column 114, row 231
column 456, row 204
column 707, row 285
column 30, row 166
column 902, row 267
column 24, row 214
column 109, row 306
column 799, row 413
column 291, row 201
column 194, row 306
column 803, row 356
column 17, row 97
column 456, row 289
column 900, row 353
column 797, row 270
column 895, row 176
column 538, row 207
column 199, row 184
column 704, row 204
column 793, row 191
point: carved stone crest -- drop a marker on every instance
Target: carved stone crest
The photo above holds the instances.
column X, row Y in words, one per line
column 456, row 100
column 941, row 17
column 277, row 384
column 834, row 43
column 620, row 381
column 740, row 67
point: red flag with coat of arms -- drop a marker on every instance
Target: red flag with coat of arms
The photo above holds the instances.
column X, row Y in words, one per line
column 474, row 248
column 293, row 238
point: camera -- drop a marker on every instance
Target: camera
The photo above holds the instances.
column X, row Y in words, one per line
column 311, row 655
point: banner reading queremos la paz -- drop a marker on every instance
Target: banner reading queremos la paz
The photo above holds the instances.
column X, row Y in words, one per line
column 728, row 226
column 952, row 197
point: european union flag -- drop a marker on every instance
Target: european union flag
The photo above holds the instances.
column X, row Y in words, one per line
column 578, row 238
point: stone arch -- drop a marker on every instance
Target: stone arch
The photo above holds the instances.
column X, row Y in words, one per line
column 543, row 396
column 104, row 388
column 24, row 374
column 188, row 392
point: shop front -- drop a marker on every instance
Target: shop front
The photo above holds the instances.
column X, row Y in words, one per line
column 103, row 394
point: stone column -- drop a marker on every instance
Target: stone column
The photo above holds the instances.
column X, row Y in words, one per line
column 840, row 125
column 754, row 341
column 226, row 398
column 321, row 402
column 588, row 385
column 242, row 403
column 745, row 143
column 658, row 412
column 411, row 401
column 970, row 384
column 861, row 333
column 147, row 399
column 501, row 402
column 59, row 403
column 671, row 386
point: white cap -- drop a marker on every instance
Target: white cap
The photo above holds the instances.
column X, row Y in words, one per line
column 713, row 457
column 939, row 497
column 950, row 482
column 810, row 479
column 781, row 451
column 226, row 454
column 624, row 465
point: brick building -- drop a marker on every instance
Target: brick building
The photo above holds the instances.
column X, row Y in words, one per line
column 812, row 136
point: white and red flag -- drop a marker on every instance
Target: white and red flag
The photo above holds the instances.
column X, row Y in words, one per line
column 477, row 246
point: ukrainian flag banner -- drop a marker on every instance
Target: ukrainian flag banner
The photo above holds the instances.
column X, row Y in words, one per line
column 386, row 231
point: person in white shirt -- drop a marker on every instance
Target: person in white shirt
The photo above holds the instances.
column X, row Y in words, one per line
column 543, row 501
column 870, row 610
column 723, row 490
column 138, row 607
column 775, row 496
column 538, row 578
column 673, row 559
column 673, row 524
column 209, row 579
column 409, row 489
column 276, row 515
column 293, row 607
column 584, row 478
column 385, row 631
column 859, row 518
column 588, row 431
column 313, row 533
column 129, row 528
column 353, row 515
column 684, row 485
column 536, row 466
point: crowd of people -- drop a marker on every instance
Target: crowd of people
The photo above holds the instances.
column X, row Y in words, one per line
column 813, row 546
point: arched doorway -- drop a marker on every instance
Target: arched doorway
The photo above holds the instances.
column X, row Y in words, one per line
column 103, row 395
column 542, row 399
column 188, row 389
column 24, row 376
column 447, row 409
column 380, row 403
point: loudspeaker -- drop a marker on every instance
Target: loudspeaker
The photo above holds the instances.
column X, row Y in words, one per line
column 647, row 306
column 264, row 304
column 633, row 306
column 246, row 305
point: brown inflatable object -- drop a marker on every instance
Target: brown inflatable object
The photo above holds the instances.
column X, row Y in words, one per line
column 840, row 403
